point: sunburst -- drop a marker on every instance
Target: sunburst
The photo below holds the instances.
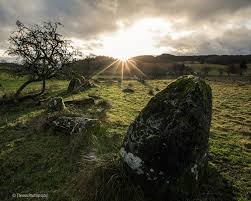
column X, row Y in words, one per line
column 121, row 65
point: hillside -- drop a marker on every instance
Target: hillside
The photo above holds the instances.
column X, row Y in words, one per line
column 158, row 66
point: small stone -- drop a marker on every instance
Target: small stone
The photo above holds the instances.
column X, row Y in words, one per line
column 151, row 92
column 157, row 89
column 128, row 90
column 90, row 156
column 56, row 104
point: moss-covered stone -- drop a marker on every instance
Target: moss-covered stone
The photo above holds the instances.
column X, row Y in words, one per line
column 74, row 85
column 86, row 84
column 56, row 104
column 170, row 139
column 72, row 125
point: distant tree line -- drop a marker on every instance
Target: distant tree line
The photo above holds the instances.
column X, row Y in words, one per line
column 237, row 68
column 92, row 64
column 210, row 59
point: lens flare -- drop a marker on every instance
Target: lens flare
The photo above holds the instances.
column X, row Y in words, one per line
column 122, row 65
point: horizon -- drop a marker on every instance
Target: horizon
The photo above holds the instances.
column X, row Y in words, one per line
column 13, row 60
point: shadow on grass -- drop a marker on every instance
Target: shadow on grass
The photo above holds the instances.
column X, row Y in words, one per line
column 11, row 113
column 216, row 188
column 34, row 159
column 109, row 182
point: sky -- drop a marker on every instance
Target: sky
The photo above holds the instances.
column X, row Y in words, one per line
column 126, row 28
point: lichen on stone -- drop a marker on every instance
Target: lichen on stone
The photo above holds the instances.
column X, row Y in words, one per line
column 195, row 171
column 132, row 161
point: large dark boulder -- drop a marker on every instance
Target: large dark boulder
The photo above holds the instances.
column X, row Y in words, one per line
column 166, row 147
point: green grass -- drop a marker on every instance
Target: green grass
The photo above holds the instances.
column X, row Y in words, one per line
column 10, row 84
column 214, row 69
column 35, row 160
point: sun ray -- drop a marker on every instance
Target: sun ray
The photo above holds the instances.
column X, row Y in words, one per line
column 134, row 59
column 117, row 66
column 122, row 71
column 135, row 67
column 122, row 65
column 104, row 69
column 127, row 67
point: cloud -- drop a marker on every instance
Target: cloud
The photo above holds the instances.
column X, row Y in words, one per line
column 232, row 41
column 222, row 26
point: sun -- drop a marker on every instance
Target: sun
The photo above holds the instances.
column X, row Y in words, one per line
column 136, row 39
column 128, row 42
column 122, row 64
column 123, row 58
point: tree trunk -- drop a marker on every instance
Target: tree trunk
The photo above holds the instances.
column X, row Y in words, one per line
column 21, row 88
column 43, row 87
column 88, row 70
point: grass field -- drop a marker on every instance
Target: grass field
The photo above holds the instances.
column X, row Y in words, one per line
column 35, row 160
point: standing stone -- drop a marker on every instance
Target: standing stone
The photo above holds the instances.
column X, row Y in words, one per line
column 74, row 85
column 56, row 104
column 166, row 147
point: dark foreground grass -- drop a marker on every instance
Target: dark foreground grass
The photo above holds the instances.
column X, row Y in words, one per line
column 36, row 160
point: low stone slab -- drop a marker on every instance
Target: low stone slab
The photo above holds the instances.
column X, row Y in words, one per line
column 73, row 125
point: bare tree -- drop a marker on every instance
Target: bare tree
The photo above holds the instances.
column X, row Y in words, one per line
column 42, row 50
